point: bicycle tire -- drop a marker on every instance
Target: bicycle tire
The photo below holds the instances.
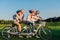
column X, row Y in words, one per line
column 6, row 35
column 45, row 33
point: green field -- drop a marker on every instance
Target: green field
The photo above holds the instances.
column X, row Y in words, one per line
column 54, row 26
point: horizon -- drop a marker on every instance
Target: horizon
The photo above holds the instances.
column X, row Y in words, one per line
column 48, row 9
column 25, row 20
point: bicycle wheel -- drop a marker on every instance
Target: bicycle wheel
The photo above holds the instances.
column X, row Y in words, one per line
column 5, row 33
column 45, row 33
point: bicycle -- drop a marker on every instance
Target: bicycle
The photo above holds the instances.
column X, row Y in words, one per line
column 42, row 31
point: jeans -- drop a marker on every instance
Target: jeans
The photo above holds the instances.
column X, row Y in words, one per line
column 31, row 24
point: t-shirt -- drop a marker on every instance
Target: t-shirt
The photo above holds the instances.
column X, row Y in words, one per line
column 17, row 19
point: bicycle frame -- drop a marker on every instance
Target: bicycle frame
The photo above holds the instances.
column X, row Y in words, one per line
column 41, row 25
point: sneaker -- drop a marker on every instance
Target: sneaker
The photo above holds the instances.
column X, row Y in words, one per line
column 35, row 31
column 37, row 36
column 8, row 31
column 8, row 36
column 28, row 36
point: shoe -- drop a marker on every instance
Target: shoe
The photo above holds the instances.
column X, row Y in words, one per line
column 28, row 36
column 37, row 36
column 35, row 31
column 8, row 31
column 21, row 36
column 8, row 36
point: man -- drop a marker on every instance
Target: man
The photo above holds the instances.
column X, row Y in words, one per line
column 17, row 18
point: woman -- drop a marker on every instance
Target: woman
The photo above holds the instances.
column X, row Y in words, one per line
column 30, row 19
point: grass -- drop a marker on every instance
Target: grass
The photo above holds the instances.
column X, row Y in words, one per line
column 54, row 26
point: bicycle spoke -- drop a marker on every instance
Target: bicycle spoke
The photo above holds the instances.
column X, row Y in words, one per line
column 45, row 33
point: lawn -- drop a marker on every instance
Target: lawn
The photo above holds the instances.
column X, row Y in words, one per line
column 54, row 26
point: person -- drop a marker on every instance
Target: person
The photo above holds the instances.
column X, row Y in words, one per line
column 37, row 17
column 17, row 18
column 29, row 19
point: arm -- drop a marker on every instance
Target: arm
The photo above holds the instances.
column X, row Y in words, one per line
column 35, row 17
column 23, row 17
column 19, row 17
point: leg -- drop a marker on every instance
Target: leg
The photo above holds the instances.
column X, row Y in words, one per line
column 18, row 26
column 32, row 26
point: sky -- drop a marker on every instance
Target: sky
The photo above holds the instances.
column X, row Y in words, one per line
column 48, row 8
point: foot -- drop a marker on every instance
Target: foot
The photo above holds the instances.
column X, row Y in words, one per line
column 28, row 36
column 37, row 36
column 21, row 36
column 8, row 31
column 35, row 31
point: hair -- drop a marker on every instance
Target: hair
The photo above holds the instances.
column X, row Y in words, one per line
column 18, row 11
column 37, row 11
column 31, row 11
column 22, row 9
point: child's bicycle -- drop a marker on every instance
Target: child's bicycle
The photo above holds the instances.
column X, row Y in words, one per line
column 42, row 31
